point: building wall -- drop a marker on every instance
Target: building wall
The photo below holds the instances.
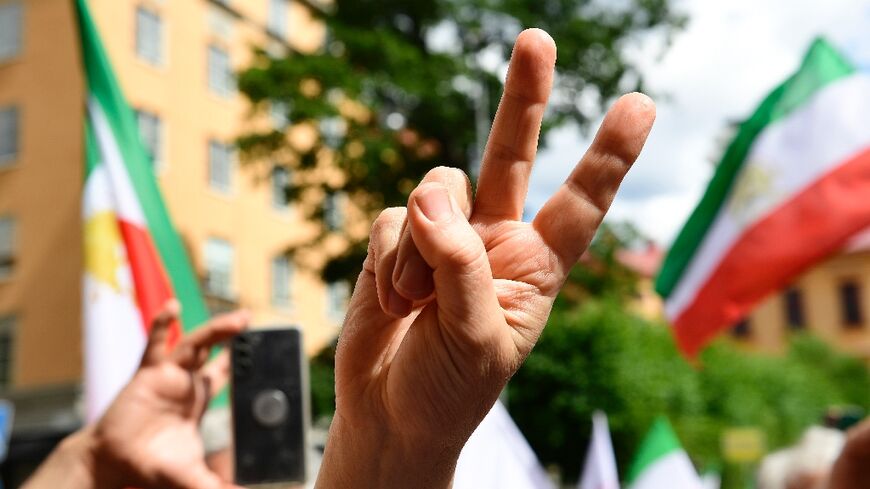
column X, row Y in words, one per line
column 46, row 83
column 768, row 327
column 41, row 190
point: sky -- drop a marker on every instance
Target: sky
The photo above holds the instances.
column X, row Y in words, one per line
column 716, row 71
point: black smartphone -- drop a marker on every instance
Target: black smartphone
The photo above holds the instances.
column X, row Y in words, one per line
column 269, row 406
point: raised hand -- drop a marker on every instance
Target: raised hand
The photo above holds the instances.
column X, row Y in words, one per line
column 456, row 291
column 149, row 437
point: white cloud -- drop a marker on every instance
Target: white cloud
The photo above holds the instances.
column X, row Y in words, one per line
column 716, row 71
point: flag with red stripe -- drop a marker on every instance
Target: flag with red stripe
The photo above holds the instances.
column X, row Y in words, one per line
column 791, row 189
column 134, row 259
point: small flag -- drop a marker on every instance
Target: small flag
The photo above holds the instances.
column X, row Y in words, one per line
column 790, row 190
column 134, row 259
column 661, row 462
column 599, row 471
column 497, row 455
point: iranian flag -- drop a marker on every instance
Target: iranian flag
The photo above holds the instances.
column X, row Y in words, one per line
column 661, row 462
column 791, row 189
column 134, row 260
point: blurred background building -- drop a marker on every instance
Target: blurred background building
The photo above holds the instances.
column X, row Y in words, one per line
column 830, row 301
column 176, row 62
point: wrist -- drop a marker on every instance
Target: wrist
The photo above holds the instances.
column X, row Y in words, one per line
column 373, row 457
column 83, row 451
column 74, row 464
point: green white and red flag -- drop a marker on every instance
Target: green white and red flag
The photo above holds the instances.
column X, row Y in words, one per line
column 792, row 188
column 661, row 462
column 134, row 259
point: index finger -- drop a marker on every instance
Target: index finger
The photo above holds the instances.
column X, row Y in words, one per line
column 192, row 350
column 570, row 218
column 513, row 141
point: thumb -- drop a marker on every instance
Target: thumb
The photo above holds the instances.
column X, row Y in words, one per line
column 464, row 290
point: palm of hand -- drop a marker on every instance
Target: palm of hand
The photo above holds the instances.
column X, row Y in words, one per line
column 153, row 427
column 149, row 436
column 439, row 361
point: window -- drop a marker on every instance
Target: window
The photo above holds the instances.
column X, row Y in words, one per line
column 149, row 36
column 850, row 304
column 7, row 338
column 220, row 74
column 277, row 23
column 282, row 278
column 7, row 246
column 220, row 166
column 11, row 20
column 742, row 329
column 333, row 217
column 337, row 294
column 151, row 133
column 280, row 182
column 9, row 134
column 794, row 309
column 219, row 257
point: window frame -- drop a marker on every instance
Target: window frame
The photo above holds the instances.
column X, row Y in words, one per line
column 281, row 298
column 8, row 328
column 8, row 159
column 795, row 309
column 158, row 160
column 221, row 79
column 13, row 7
column 8, row 261
column 218, row 148
column 849, row 292
column 158, row 58
column 223, row 278
column 742, row 330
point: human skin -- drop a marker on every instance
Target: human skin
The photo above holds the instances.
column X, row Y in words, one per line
column 456, row 289
column 851, row 470
column 149, row 436
column 454, row 294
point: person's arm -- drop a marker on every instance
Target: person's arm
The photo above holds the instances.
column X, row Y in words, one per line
column 456, row 289
column 360, row 458
column 72, row 465
column 149, row 435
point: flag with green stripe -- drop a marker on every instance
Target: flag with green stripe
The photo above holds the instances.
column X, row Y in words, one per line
column 789, row 191
column 134, row 258
column 661, row 462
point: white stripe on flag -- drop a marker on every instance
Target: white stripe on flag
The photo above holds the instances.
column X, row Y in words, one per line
column 127, row 205
column 837, row 119
column 672, row 471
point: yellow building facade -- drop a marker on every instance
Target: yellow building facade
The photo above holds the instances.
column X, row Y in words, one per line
column 175, row 62
column 831, row 301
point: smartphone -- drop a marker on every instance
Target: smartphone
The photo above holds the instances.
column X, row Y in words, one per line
column 269, row 406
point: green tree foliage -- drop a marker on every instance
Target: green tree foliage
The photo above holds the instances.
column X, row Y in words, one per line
column 600, row 273
column 599, row 356
column 402, row 86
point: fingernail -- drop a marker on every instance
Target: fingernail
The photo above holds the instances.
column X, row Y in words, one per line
column 435, row 203
column 398, row 305
column 415, row 278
